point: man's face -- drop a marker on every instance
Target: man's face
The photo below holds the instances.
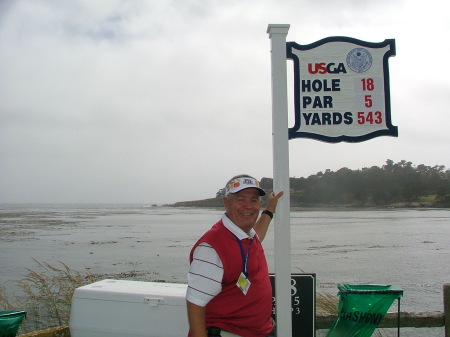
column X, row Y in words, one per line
column 243, row 208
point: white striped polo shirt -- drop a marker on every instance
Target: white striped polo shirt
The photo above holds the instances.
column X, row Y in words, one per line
column 206, row 270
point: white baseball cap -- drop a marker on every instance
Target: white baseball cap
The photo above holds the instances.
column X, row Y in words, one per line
column 241, row 183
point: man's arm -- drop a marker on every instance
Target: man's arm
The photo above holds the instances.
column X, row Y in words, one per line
column 262, row 224
column 204, row 283
column 197, row 319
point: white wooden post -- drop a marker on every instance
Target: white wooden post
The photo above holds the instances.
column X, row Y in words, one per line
column 277, row 34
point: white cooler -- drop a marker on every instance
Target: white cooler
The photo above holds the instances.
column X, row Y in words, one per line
column 129, row 308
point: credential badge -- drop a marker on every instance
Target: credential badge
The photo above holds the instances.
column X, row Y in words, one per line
column 359, row 60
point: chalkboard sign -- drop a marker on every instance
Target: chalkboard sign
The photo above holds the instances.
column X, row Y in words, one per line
column 303, row 296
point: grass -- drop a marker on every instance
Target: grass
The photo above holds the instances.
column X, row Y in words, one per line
column 46, row 294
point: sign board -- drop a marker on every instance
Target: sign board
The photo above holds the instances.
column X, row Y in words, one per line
column 303, row 303
column 341, row 89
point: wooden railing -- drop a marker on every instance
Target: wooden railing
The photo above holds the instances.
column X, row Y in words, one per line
column 59, row 331
column 427, row 319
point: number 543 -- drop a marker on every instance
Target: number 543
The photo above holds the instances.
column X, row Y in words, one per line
column 370, row 117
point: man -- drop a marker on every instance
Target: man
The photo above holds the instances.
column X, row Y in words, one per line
column 229, row 291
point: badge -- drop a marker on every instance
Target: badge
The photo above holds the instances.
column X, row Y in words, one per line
column 243, row 283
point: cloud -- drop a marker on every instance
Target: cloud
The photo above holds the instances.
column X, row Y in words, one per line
column 161, row 101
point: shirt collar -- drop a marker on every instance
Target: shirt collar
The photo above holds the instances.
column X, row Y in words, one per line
column 241, row 235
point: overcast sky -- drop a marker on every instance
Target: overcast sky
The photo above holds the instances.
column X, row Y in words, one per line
column 161, row 101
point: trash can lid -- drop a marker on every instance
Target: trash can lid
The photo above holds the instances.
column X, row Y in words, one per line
column 9, row 313
column 370, row 289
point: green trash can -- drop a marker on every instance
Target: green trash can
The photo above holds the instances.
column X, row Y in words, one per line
column 10, row 321
column 361, row 308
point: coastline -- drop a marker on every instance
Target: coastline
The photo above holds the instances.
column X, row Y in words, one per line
column 217, row 203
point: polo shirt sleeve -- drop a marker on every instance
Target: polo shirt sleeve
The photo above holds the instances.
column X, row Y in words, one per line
column 205, row 275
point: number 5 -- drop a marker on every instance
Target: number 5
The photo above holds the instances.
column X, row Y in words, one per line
column 368, row 101
column 361, row 117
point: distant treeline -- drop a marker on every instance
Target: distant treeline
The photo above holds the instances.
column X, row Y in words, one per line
column 399, row 184
column 395, row 184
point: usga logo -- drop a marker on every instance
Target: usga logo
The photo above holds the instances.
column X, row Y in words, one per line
column 323, row 68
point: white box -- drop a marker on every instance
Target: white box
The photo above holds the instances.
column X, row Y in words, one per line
column 129, row 308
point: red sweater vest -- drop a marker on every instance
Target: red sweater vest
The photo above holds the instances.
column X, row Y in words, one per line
column 245, row 315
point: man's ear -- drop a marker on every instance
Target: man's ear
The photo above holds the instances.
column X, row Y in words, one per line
column 225, row 202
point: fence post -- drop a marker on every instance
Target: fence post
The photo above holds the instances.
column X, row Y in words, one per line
column 447, row 309
column 446, row 292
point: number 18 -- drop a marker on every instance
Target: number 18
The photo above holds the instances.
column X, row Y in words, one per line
column 368, row 84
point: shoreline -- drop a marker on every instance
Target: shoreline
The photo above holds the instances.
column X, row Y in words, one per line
column 217, row 203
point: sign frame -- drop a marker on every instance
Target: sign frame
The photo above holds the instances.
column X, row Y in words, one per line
column 296, row 132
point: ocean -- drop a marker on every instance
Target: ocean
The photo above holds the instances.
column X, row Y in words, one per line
column 409, row 248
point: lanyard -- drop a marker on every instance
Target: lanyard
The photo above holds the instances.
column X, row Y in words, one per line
column 244, row 256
